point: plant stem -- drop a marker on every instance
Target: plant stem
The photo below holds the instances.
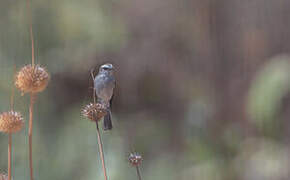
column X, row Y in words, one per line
column 9, row 155
column 99, row 135
column 101, row 151
column 32, row 99
column 138, row 172
column 10, row 134
column 32, row 95
column 30, row 31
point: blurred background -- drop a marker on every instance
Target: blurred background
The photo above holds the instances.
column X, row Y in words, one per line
column 203, row 88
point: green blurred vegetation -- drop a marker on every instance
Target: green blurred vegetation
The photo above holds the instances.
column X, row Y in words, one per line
column 202, row 91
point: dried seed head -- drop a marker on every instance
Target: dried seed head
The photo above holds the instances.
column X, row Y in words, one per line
column 94, row 111
column 11, row 122
column 135, row 159
column 31, row 79
column 3, row 176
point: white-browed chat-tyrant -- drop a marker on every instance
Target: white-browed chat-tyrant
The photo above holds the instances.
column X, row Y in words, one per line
column 104, row 85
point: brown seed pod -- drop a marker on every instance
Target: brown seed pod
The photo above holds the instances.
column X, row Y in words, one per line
column 135, row 159
column 11, row 122
column 31, row 79
column 94, row 111
column 3, row 176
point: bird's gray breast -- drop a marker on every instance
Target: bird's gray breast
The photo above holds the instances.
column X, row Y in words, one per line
column 104, row 85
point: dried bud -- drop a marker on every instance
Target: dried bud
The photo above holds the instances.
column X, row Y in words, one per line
column 135, row 159
column 11, row 122
column 3, row 176
column 31, row 79
column 94, row 111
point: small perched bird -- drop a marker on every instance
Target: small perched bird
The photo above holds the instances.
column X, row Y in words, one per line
column 104, row 85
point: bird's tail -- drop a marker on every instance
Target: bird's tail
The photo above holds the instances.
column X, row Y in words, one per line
column 107, row 121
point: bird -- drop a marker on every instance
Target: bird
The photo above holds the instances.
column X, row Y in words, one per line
column 104, row 84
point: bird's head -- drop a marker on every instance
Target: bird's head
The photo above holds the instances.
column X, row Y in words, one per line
column 106, row 68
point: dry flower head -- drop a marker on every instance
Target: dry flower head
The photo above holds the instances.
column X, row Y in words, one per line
column 31, row 79
column 3, row 176
column 135, row 159
column 11, row 122
column 94, row 111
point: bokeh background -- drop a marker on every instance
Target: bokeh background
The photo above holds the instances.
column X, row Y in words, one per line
column 203, row 88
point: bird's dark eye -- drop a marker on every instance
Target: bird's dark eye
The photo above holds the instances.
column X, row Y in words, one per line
column 105, row 68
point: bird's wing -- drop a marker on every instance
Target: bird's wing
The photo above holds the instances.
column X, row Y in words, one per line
column 111, row 101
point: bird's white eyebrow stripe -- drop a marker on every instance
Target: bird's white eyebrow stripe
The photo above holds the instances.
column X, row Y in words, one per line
column 110, row 66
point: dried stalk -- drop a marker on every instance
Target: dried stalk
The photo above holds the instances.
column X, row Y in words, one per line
column 101, row 151
column 9, row 155
column 30, row 31
column 32, row 100
column 32, row 94
column 10, row 134
column 138, row 172
column 100, row 143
